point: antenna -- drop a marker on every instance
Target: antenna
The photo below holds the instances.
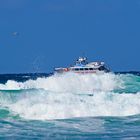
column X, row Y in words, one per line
column 84, row 56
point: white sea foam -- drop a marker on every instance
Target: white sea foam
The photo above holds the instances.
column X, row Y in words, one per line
column 69, row 83
column 66, row 105
column 70, row 95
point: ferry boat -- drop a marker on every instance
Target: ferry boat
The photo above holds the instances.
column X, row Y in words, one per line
column 83, row 66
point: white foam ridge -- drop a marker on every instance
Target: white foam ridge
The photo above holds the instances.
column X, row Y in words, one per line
column 69, row 83
column 48, row 106
column 68, row 96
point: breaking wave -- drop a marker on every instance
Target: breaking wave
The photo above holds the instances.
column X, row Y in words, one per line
column 72, row 95
column 68, row 83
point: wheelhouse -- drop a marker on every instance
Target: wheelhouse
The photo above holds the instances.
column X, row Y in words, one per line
column 82, row 66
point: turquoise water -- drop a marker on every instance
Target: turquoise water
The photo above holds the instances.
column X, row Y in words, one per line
column 70, row 106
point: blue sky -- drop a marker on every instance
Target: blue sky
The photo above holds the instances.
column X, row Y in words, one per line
column 54, row 33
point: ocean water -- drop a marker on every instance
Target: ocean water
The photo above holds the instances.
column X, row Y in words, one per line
column 70, row 106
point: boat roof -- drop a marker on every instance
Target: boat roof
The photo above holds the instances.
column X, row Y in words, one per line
column 89, row 65
column 81, row 62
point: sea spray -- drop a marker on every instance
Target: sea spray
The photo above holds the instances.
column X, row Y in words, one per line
column 67, row 105
column 70, row 82
column 70, row 96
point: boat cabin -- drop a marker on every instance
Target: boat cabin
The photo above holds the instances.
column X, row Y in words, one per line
column 82, row 66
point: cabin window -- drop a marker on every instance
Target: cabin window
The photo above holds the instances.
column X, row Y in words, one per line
column 86, row 69
column 81, row 69
column 102, row 68
column 91, row 69
column 76, row 69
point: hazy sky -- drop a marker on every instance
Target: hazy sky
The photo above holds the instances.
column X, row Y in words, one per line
column 38, row 35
